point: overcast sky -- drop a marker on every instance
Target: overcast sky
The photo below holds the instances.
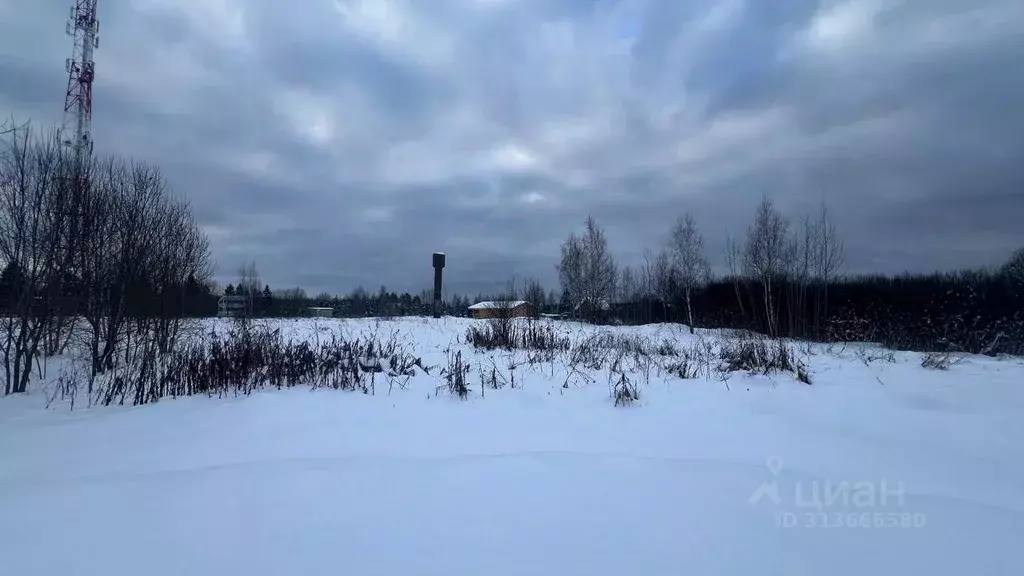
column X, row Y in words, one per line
column 340, row 142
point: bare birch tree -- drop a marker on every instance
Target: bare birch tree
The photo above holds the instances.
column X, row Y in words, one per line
column 733, row 261
column 800, row 269
column 686, row 245
column 829, row 260
column 647, row 282
column 764, row 256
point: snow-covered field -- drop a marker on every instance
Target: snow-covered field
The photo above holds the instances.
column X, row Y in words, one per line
column 879, row 467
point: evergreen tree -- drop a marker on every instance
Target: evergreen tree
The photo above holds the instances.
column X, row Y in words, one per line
column 11, row 280
column 267, row 301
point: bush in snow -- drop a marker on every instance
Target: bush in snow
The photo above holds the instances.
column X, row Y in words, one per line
column 625, row 391
column 250, row 357
column 764, row 356
column 454, row 375
column 509, row 335
column 938, row 360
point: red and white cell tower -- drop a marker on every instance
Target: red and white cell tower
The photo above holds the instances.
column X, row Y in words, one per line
column 76, row 130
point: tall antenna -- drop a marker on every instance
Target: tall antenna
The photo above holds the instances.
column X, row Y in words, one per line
column 76, row 130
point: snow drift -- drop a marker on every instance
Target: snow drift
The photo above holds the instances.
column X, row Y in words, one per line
column 879, row 467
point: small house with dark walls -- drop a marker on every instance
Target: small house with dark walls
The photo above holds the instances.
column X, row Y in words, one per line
column 233, row 306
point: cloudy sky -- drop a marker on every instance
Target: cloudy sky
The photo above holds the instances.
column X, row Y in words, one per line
column 340, row 142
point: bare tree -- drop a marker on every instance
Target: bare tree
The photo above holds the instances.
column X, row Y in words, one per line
column 248, row 285
column 810, row 266
column 182, row 257
column 828, row 260
column 571, row 270
column 587, row 270
column 627, row 284
column 137, row 249
column 733, row 261
column 801, row 253
column 101, row 239
column 686, row 245
column 664, row 279
column 96, row 254
column 765, row 256
column 627, row 289
column 11, row 126
column 602, row 272
column 33, row 218
column 647, row 282
column 502, row 317
column 138, row 190
column 533, row 292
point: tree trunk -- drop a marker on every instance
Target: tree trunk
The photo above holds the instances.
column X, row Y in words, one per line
column 739, row 299
column 769, row 313
column 689, row 310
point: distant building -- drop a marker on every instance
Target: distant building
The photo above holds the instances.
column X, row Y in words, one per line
column 320, row 311
column 499, row 308
column 234, row 306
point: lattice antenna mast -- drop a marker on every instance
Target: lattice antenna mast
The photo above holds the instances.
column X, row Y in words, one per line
column 76, row 130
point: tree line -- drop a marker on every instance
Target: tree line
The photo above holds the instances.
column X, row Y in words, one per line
column 95, row 251
column 784, row 279
column 296, row 303
column 359, row 303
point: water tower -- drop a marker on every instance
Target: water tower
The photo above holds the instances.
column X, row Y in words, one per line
column 438, row 267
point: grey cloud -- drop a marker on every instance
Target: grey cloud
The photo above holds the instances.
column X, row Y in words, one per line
column 32, row 88
column 912, row 140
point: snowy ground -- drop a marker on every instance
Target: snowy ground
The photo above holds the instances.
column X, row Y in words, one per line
column 877, row 468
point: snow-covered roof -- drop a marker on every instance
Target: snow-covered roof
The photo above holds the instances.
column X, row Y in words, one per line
column 492, row 304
